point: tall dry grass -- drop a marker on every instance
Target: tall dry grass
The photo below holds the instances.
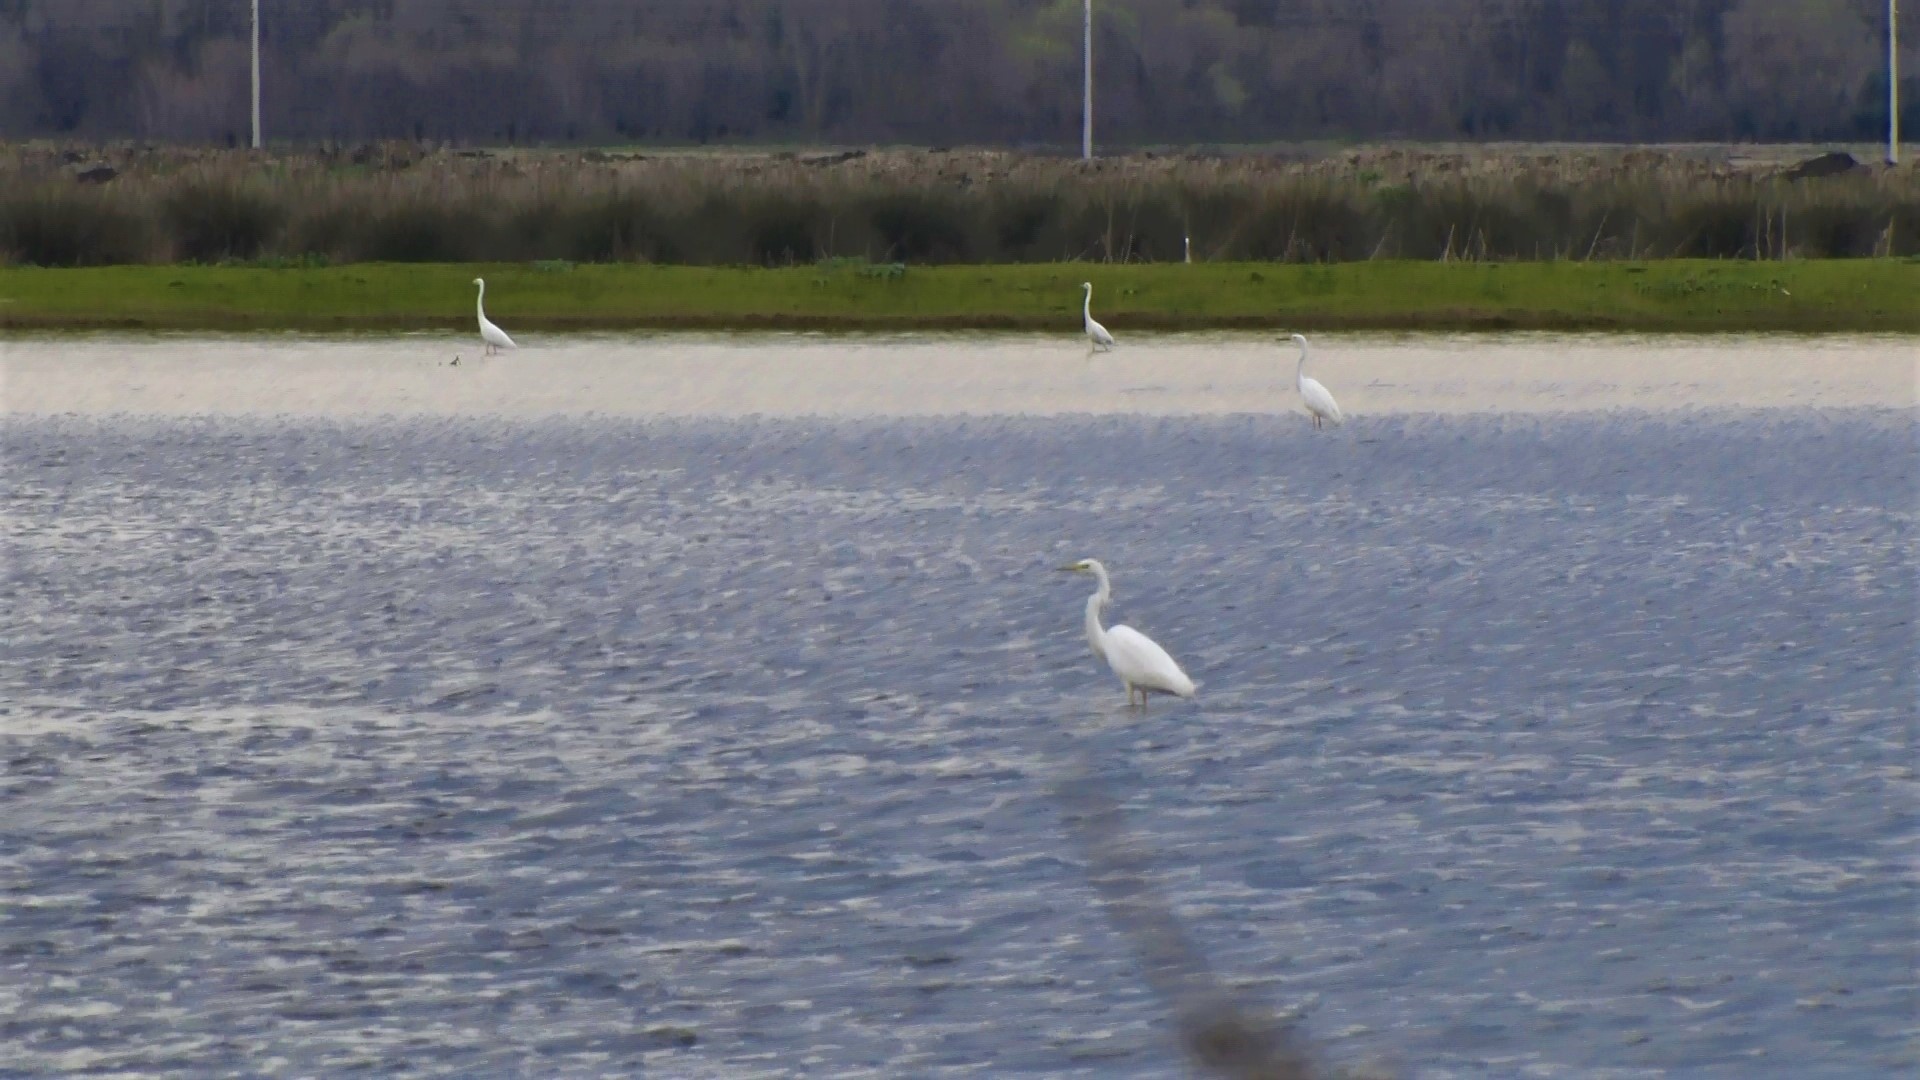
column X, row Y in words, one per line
column 398, row 203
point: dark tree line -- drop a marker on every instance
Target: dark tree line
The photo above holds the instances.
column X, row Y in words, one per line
column 953, row 71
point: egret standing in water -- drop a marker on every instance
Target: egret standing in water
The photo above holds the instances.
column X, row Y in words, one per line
column 494, row 337
column 1097, row 336
column 1141, row 664
column 1319, row 402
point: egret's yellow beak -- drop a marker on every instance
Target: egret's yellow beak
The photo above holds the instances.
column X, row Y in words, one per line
column 1068, row 569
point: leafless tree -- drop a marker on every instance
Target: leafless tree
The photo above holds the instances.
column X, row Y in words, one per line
column 949, row 71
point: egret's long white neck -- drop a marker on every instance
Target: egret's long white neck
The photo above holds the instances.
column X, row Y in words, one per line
column 1086, row 309
column 1300, row 369
column 1097, row 634
column 480, row 302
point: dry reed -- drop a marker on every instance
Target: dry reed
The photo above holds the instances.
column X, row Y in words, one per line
column 59, row 207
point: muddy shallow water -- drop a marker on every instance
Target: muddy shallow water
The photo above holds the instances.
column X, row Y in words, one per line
column 518, row 741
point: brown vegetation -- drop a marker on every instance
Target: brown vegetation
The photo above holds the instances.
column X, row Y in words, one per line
column 403, row 203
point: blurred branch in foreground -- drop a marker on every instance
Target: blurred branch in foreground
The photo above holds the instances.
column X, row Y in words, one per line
column 1226, row 1037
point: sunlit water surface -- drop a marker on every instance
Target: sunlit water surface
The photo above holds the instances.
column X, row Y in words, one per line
column 489, row 741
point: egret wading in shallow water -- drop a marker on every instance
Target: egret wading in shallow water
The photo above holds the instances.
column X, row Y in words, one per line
column 495, row 338
column 1319, row 402
column 1097, row 336
column 1141, row 664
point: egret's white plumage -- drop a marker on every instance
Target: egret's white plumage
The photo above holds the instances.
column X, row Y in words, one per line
column 1142, row 664
column 1097, row 336
column 1319, row 402
column 494, row 337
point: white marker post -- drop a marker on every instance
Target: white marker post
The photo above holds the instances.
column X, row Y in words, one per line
column 1893, row 82
column 256, row 74
column 1086, row 91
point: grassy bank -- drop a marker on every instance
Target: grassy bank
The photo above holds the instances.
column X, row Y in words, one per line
column 1675, row 295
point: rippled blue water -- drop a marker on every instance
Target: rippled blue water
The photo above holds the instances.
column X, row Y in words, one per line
column 1525, row 746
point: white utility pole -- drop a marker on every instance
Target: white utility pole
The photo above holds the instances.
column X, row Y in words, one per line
column 256, row 74
column 1086, row 92
column 1893, row 82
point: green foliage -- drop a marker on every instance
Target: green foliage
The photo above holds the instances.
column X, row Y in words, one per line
column 1305, row 224
column 780, row 229
column 1715, row 225
column 214, row 219
column 921, row 225
column 949, row 208
column 309, row 261
column 67, row 226
column 424, row 230
column 1022, row 221
column 619, row 226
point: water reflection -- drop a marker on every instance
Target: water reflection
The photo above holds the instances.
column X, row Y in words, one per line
column 1557, row 743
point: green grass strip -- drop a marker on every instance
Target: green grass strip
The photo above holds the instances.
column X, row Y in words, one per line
column 1680, row 295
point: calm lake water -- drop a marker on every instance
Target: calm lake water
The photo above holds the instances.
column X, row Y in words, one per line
column 1560, row 729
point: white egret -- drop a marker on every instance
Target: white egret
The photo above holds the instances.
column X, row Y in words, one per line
column 1141, row 664
column 1319, row 402
column 494, row 337
column 1097, row 336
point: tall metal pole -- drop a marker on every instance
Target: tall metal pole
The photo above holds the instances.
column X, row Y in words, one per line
column 1086, row 91
column 256, row 74
column 1893, row 82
